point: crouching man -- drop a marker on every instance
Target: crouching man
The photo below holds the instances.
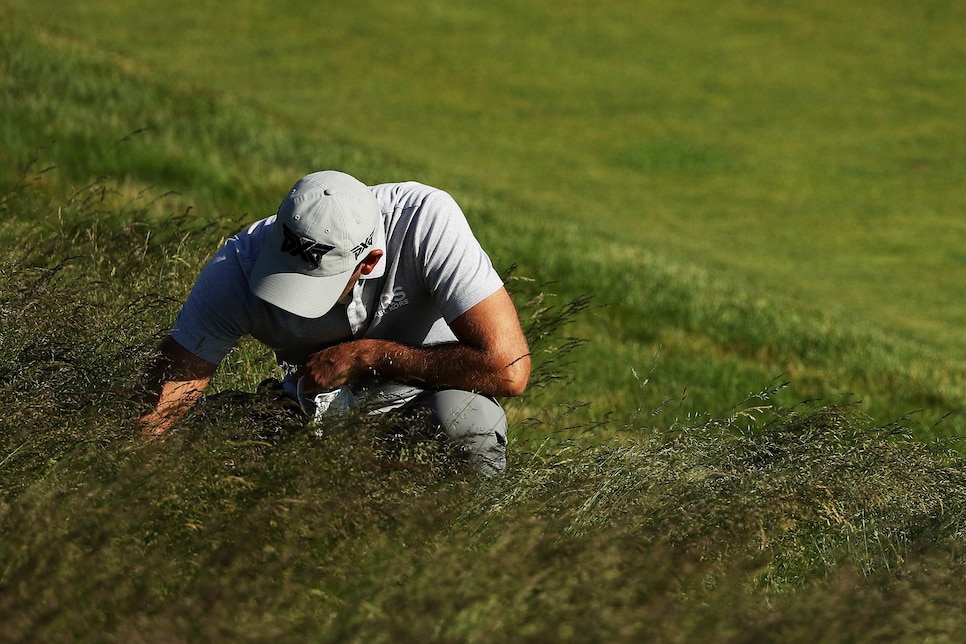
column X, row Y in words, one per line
column 381, row 291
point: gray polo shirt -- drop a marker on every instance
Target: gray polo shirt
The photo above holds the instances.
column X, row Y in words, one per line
column 433, row 271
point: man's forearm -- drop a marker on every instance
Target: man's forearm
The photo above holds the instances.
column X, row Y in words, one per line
column 173, row 401
column 174, row 382
column 489, row 356
column 451, row 365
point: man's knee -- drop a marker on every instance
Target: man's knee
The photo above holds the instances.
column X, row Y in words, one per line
column 475, row 424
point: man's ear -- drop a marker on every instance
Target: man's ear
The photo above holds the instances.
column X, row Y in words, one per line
column 369, row 263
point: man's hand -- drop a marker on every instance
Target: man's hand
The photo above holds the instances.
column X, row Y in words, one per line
column 338, row 365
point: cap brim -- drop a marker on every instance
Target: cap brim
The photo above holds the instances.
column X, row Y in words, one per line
column 308, row 296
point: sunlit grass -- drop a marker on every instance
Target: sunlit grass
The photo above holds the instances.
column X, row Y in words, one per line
column 666, row 480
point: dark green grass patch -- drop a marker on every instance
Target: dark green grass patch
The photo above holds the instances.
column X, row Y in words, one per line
column 675, row 158
column 96, row 116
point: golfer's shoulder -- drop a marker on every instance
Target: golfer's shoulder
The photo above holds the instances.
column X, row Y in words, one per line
column 412, row 195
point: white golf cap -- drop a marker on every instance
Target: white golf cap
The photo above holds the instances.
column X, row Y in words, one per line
column 324, row 228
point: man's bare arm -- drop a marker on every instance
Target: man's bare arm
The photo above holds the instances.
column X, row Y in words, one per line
column 490, row 356
column 175, row 381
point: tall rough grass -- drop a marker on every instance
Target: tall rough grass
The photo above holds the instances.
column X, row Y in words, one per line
column 766, row 523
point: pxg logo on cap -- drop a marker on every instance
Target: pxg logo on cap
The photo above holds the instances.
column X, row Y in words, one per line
column 308, row 249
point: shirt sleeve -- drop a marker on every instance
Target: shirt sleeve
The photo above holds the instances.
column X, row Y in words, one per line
column 457, row 271
column 217, row 312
